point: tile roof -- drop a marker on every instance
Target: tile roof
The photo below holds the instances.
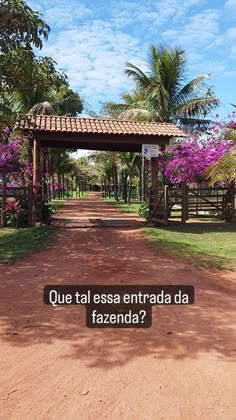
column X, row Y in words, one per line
column 98, row 126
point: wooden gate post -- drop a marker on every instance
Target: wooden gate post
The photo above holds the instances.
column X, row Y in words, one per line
column 30, row 205
column 36, row 179
column 154, row 178
column 4, row 201
column 184, row 213
column 154, row 172
column 153, row 197
column 166, row 205
column 36, row 162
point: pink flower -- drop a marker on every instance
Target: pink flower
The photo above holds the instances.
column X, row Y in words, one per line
column 13, row 207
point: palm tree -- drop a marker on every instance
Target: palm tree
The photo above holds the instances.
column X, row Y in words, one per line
column 106, row 164
column 117, row 169
column 131, row 165
column 41, row 89
column 164, row 93
column 132, row 107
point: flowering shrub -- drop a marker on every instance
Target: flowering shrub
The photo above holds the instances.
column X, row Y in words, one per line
column 13, row 211
column 10, row 157
column 13, row 207
column 189, row 159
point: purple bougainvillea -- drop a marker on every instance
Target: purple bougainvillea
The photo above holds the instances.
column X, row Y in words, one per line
column 190, row 159
column 13, row 162
column 10, row 157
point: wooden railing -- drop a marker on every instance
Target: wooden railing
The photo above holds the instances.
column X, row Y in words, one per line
column 184, row 202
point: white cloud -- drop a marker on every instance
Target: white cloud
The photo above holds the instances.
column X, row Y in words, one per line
column 94, row 57
column 230, row 3
column 233, row 50
column 66, row 15
column 150, row 14
column 226, row 38
column 198, row 30
column 228, row 74
column 92, row 41
column 230, row 7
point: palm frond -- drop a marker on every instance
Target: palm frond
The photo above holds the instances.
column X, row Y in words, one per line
column 224, row 170
column 196, row 84
column 42, row 108
column 136, row 114
column 197, row 106
column 137, row 75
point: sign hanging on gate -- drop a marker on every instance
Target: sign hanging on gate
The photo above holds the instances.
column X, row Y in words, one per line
column 150, row 150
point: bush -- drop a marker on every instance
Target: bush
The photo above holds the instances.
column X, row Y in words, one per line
column 144, row 210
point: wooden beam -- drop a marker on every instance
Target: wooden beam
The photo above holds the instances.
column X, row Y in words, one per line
column 93, row 146
column 98, row 140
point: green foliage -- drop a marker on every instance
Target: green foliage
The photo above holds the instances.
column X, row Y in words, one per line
column 20, row 26
column 224, row 170
column 144, row 210
column 162, row 94
column 29, row 83
column 21, row 30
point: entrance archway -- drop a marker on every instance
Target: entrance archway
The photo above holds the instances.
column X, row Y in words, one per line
column 97, row 134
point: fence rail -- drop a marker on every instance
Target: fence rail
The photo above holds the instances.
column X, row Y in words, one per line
column 183, row 203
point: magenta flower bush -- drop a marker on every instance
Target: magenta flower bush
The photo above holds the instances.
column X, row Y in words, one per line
column 10, row 157
column 190, row 159
column 14, row 164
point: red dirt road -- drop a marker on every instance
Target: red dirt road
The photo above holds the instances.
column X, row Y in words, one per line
column 53, row 367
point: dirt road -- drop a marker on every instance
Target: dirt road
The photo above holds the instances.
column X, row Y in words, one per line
column 53, row 367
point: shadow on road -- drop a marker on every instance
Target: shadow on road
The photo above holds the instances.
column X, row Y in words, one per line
column 114, row 256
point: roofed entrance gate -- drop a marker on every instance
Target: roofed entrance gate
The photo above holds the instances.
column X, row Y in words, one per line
column 97, row 134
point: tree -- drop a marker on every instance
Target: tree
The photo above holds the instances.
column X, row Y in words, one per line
column 131, row 165
column 133, row 107
column 106, row 164
column 164, row 93
column 20, row 26
column 37, row 87
column 21, row 30
column 117, row 171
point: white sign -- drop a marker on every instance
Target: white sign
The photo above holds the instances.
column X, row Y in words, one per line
column 150, row 150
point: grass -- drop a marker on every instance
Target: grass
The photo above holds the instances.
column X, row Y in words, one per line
column 207, row 244
column 124, row 207
column 18, row 243
column 57, row 203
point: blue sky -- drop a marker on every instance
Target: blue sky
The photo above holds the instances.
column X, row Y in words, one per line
column 92, row 41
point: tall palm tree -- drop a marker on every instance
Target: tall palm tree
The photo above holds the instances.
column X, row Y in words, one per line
column 164, row 93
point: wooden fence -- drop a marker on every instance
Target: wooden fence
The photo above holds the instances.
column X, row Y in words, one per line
column 30, row 199
column 183, row 203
